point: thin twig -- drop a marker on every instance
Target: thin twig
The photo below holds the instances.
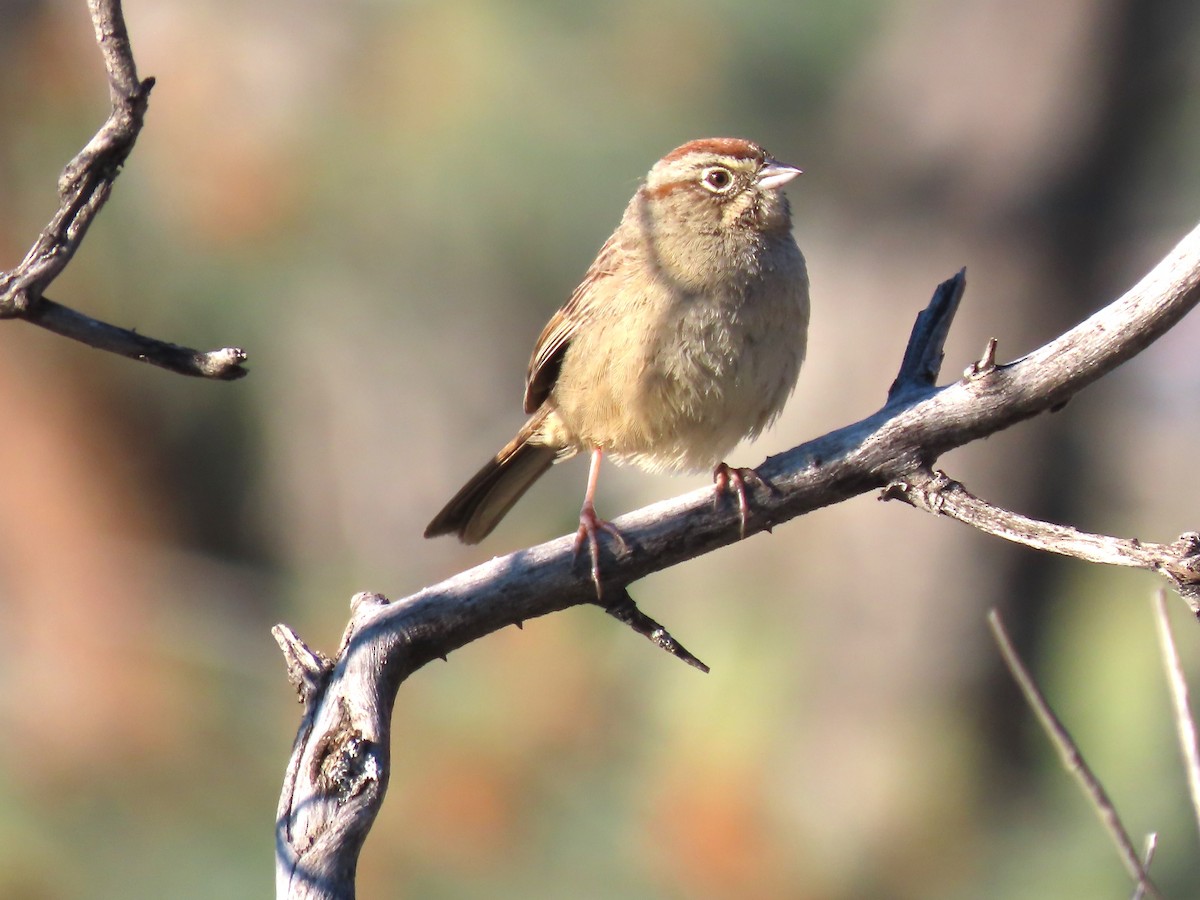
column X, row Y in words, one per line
column 937, row 493
column 220, row 365
column 1071, row 758
column 1185, row 723
column 1151, row 845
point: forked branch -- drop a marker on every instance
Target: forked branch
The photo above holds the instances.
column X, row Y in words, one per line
column 936, row 493
column 338, row 774
column 83, row 188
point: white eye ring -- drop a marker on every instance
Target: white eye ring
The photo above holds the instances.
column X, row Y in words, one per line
column 717, row 179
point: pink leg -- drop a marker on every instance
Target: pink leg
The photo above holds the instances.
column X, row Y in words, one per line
column 727, row 478
column 590, row 524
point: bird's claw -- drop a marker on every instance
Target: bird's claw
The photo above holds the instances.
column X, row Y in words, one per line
column 590, row 526
column 727, row 478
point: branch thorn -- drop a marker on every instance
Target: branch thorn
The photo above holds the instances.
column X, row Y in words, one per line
column 623, row 609
column 986, row 364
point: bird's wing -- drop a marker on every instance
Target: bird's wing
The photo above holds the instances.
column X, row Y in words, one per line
column 551, row 346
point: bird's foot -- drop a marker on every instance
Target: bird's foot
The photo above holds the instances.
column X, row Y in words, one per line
column 726, row 478
column 590, row 526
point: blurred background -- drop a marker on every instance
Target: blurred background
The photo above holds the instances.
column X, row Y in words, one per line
column 383, row 202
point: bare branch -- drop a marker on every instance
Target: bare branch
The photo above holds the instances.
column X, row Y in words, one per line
column 1072, row 759
column 83, row 188
column 1185, row 724
column 222, row 365
column 936, row 493
column 320, row 830
column 337, row 774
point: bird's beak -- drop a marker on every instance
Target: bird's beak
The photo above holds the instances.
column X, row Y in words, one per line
column 775, row 175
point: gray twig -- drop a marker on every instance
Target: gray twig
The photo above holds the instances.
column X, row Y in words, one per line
column 1072, row 759
column 1139, row 890
column 936, row 493
column 1185, row 723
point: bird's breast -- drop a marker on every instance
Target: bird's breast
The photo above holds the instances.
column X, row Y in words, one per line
column 677, row 378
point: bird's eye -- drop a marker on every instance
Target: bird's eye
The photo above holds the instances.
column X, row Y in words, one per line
column 717, row 179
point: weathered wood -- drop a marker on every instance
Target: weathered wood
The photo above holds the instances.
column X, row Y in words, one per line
column 338, row 774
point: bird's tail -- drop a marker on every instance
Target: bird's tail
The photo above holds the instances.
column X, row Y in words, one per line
column 484, row 500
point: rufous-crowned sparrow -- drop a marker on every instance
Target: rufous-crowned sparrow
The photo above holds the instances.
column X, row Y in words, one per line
column 685, row 336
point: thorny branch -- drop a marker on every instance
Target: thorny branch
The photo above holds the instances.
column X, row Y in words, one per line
column 325, row 812
column 83, row 188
